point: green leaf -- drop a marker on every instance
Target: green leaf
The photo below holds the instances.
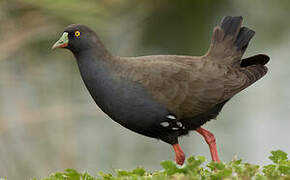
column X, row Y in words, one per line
column 105, row 176
column 139, row 171
column 224, row 173
column 216, row 166
column 278, row 156
column 284, row 169
column 193, row 170
column 260, row 177
column 122, row 173
column 169, row 167
column 271, row 171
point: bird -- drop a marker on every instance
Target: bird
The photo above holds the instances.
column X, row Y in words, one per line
column 167, row 96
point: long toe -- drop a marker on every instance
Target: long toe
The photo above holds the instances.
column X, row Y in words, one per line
column 179, row 158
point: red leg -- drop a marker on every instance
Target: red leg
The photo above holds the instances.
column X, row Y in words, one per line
column 210, row 140
column 179, row 154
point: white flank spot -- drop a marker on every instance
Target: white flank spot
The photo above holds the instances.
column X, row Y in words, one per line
column 171, row 117
column 164, row 124
column 174, row 128
column 179, row 124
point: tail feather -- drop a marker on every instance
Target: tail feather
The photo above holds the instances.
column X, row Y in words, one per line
column 231, row 25
column 230, row 41
column 253, row 67
column 246, row 77
column 257, row 59
column 243, row 39
column 254, row 72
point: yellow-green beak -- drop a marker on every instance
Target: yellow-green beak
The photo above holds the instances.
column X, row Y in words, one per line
column 62, row 42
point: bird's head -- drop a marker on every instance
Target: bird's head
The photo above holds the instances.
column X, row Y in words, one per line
column 77, row 37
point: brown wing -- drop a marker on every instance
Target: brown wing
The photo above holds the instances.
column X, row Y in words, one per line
column 187, row 86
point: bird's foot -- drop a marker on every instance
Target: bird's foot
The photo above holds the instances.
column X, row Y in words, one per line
column 179, row 154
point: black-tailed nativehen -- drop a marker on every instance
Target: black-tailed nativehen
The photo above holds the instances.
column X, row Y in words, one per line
column 166, row 96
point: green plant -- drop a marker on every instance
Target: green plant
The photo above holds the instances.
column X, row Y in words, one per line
column 194, row 170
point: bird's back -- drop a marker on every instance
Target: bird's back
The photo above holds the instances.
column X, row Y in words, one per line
column 189, row 86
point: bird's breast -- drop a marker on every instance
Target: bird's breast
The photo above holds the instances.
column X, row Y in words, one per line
column 125, row 102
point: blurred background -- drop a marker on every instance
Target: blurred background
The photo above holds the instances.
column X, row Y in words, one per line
column 48, row 121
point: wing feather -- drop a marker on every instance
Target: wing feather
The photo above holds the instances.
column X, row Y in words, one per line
column 187, row 86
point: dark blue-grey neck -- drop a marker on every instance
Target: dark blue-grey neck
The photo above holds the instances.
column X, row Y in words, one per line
column 95, row 67
column 94, row 49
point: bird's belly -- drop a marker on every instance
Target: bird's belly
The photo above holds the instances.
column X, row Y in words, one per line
column 129, row 105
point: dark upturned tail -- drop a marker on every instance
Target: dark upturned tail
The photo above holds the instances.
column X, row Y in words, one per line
column 230, row 41
column 253, row 67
